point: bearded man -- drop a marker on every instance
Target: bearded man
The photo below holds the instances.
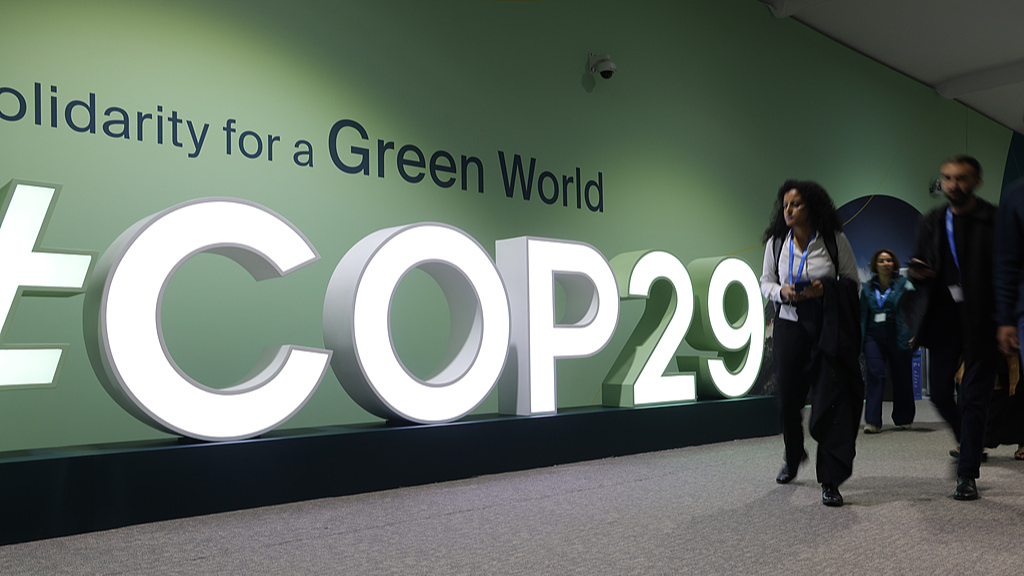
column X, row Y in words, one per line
column 952, row 270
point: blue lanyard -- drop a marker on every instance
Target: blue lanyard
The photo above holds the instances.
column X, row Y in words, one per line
column 803, row 259
column 952, row 243
column 881, row 297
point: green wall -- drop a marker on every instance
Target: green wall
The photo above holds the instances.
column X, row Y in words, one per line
column 714, row 104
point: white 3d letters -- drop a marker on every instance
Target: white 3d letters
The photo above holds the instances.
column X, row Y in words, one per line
column 505, row 329
column 122, row 321
column 530, row 268
column 740, row 342
column 651, row 385
column 749, row 335
column 24, row 269
column 357, row 327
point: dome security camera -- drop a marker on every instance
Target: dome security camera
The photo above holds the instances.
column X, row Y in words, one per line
column 602, row 64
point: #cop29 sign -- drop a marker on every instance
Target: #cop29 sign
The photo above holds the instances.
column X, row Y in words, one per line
column 504, row 332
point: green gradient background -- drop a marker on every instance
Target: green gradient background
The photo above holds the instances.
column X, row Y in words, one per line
column 715, row 103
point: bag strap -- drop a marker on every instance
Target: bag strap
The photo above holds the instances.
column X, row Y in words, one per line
column 833, row 251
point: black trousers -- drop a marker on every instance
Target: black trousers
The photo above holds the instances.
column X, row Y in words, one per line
column 884, row 357
column 966, row 411
column 799, row 371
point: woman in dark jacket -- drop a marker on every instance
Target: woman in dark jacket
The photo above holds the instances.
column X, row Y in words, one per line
column 810, row 273
column 886, row 343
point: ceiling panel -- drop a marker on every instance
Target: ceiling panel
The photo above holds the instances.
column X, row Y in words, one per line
column 969, row 50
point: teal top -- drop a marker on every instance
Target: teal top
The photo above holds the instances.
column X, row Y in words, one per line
column 870, row 309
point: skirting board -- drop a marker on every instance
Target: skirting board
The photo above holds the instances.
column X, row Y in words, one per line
column 58, row 492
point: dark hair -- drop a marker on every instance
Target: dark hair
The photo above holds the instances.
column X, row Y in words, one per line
column 964, row 159
column 820, row 209
column 874, row 260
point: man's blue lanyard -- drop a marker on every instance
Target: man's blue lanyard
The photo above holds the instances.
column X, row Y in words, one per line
column 803, row 259
column 952, row 243
column 881, row 297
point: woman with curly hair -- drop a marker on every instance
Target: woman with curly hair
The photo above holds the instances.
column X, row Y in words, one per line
column 886, row 343
column 810, row 273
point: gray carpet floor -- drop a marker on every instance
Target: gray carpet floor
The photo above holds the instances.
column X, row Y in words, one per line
column 712, row 509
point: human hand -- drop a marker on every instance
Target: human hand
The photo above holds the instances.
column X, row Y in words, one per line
column 1006, row 336
column 788, row 293
column 815, row 290
column 920, row 270
column 791, row 294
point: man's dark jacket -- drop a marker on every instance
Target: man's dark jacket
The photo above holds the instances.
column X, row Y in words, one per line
column 977, row 323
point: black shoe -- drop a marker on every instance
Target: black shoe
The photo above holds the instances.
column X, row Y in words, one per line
column 830, row 495
column 955, row 453
column 785, row 477
column 966, row 489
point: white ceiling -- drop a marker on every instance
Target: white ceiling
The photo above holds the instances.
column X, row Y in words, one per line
column 968, row 50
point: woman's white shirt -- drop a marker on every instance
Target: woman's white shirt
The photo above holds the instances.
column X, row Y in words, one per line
column 818, row 265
